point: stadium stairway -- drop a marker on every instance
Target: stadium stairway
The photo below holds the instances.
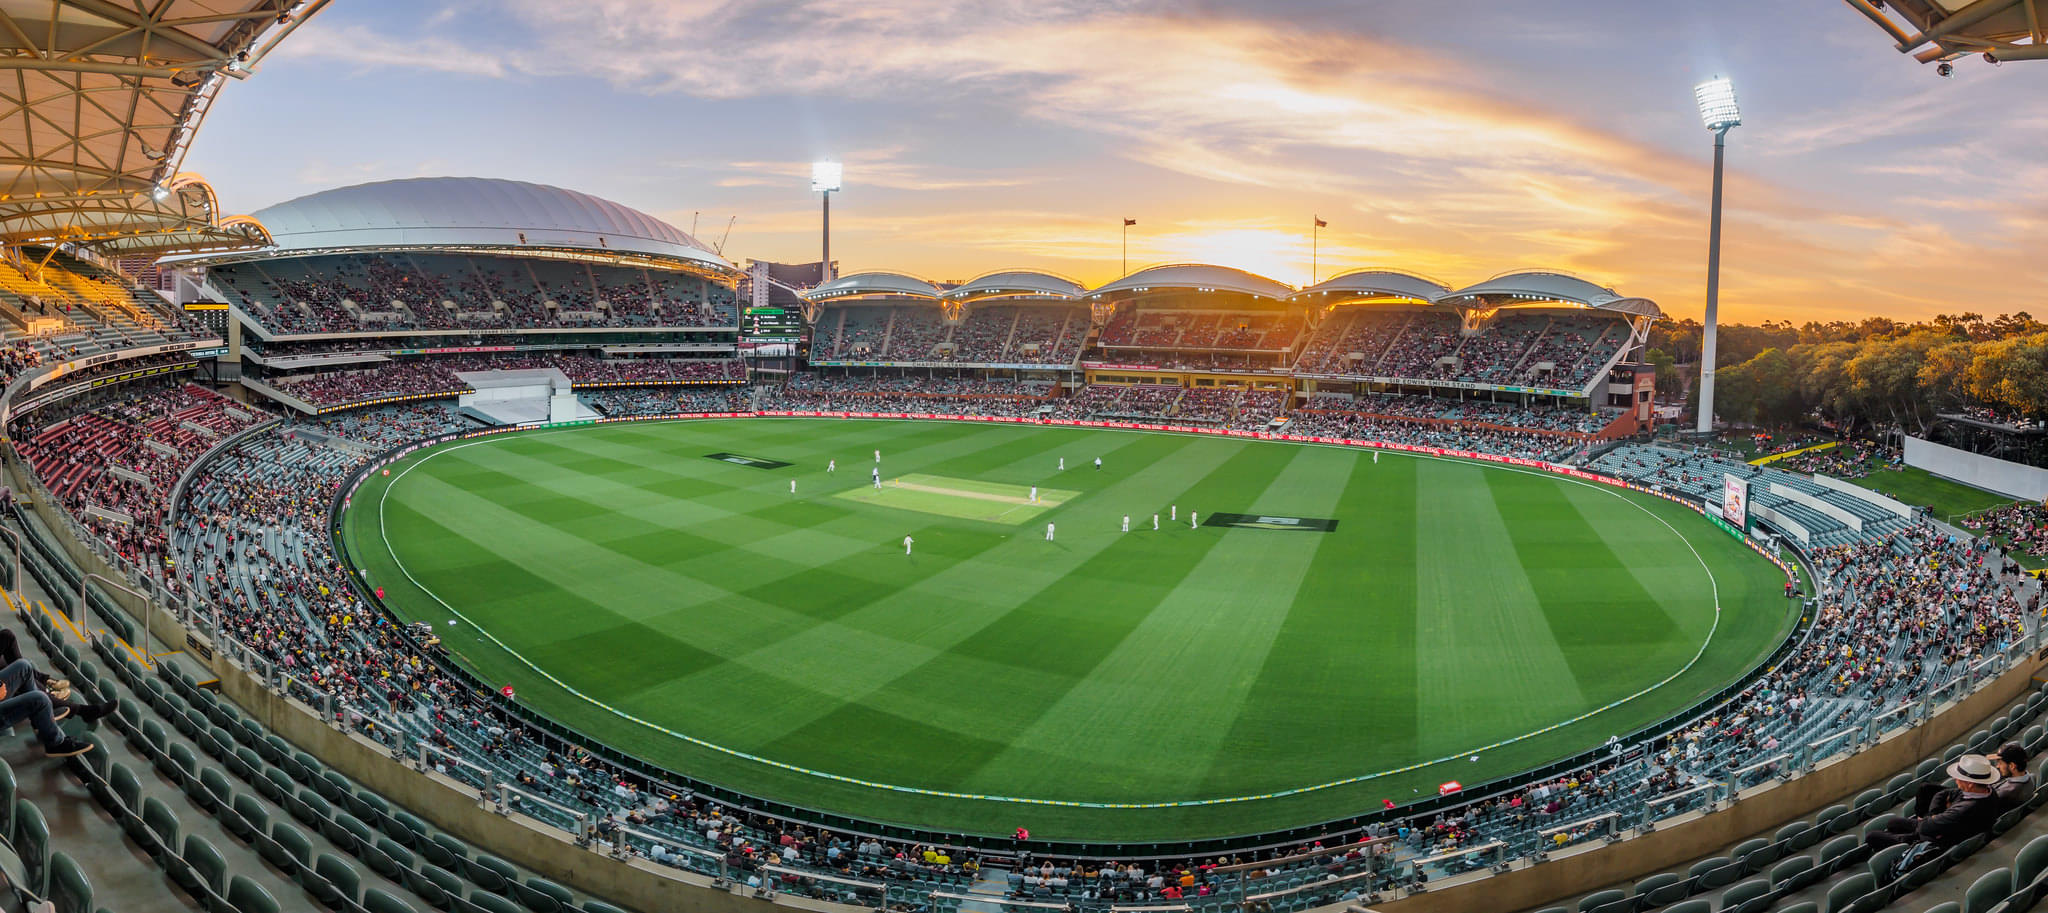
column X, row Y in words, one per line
column 236, row 818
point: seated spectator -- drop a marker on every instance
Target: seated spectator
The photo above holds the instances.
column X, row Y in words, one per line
column 21, row 700
column 2018, row 784
column 1947, row 817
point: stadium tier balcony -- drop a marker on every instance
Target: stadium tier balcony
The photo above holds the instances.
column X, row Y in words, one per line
column 439, row 374
column 394, row 293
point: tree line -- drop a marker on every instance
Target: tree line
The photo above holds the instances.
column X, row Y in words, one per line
column 1866, row 374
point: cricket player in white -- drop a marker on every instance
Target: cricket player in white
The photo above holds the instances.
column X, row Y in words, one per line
column 1048, row 532
column 1127, row 522
column 792, row 486
column 878, row 456
column 1174, row 513
column 1034, row 494
column 1155, row 523
column 1375, row 458
column 1063, row 464
column 878, row 477
column 906, row 545
column 1098, row 464
column 831, row 465
column 1192, row 522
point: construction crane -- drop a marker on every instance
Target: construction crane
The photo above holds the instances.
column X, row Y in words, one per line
column 719, row 248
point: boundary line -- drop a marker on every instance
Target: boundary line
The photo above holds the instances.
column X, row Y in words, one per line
column 1714, row 627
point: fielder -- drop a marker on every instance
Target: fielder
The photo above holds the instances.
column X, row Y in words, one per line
column 1127, row 522
column 1375, row 458
column 1192, row 522
column 831, row 465
column 1155, row 523
column 878, row 456
column 878, row 477
column 1048, row 532
column 1098, row 464
column 1063, row 464
column 1034, row 494
column 792, row 486
column 906, row 544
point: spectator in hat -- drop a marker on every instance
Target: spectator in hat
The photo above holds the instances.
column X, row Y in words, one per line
column 1952, row 815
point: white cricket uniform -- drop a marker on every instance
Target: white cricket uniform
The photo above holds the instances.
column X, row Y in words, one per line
column 878, row 477
column 1127, row 523
column 878, row 456
column 906, row 545
column 1192, row 522
column 831, row 465
column 1034, row 494
column 1155, row 522
column 792, row 486
column 1048, row 532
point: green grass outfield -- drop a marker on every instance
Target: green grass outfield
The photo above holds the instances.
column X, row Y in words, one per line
column 1455, row 605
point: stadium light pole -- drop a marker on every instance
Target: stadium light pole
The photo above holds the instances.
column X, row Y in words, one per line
column 824, row 180
column 1719, row 112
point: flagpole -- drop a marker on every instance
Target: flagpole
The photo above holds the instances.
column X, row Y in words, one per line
column 1126, row 268
column 1314, row 247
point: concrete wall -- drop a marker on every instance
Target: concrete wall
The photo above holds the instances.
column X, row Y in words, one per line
column 2014, row 480
column 453, row 807
column 1572, row 874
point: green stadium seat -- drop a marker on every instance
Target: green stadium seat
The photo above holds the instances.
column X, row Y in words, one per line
column 2030, row 862
column 287, row 848
column 444, row 851
column 219, row 793
column 8, row 789
column 490, row 873
column 1881, row 862
column 209, row 871
column 437, row 886
column 1793, row 874
column 1846, row 891
column 1691, row 906
column 542, row 896
column 491, row 903
column 1748, row 897
column 251, row 817
column 31, row 840
column 68, row 888
column 334, row 883
column 276, row 785
column 162, row 824
column 375, row 901
column 1989, row 890
column 391, row 859
column 243, row 763
column 1945, row 907
column 246, row 896
column 1654, row 889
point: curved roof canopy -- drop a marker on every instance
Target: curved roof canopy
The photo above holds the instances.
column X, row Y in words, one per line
column 875, row 284
column 1195, row 277
column 1374, row 283
column 1538, row 286
column 101, row 106
column 471, row 213
column 1015, row 283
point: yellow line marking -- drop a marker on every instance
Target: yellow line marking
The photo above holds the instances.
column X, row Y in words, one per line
column 1760, row 461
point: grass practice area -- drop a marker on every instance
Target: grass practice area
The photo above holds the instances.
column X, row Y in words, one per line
column 1447, row 626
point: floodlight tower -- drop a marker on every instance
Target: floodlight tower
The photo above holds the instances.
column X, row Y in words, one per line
column 824, row 180
column 1718, row 111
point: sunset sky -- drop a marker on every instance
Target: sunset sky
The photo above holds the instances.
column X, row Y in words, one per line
column 1456, row 138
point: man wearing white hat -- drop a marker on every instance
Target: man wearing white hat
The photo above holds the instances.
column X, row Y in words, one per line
column 1952, row 815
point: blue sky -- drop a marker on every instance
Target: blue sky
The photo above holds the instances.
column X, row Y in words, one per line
column 1456, row 138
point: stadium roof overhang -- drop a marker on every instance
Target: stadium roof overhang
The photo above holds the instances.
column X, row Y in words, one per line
column 1016, row 284
column 1373, row 285
column 1934, row 30
column 478, row 216
column 101, row 108
column 1542, row 287
column 1193, row 277
column 874, row 285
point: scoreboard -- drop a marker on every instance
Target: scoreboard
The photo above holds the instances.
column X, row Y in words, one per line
column 772, row 324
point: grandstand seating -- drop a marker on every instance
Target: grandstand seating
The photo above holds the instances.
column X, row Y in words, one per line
column 1543, row 348
column 996, row 334
column 451, row 291
column 250, row 540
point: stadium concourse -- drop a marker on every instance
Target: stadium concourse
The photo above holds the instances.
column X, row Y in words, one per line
column 210, row 485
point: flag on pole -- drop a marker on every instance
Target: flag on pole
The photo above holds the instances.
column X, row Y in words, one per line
column 1320, row 223
column 1130, row 222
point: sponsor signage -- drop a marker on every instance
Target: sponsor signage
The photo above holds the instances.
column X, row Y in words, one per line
column 1735, row 501
column 739, row 459
column 1261, row 521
